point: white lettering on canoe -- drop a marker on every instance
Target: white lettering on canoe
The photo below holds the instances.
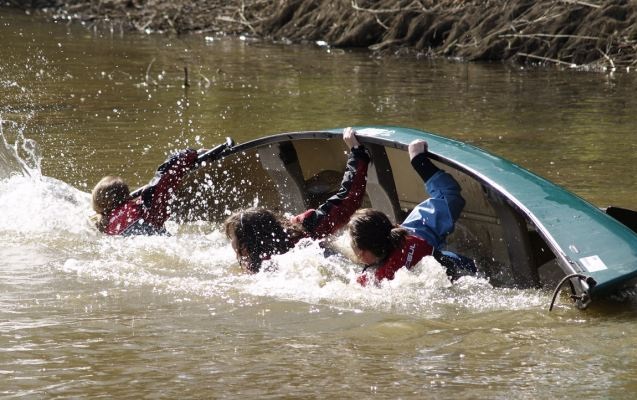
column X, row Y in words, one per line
column 593, row 263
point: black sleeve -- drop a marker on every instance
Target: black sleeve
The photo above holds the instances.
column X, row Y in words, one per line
column 424, row 167
column 337, row 210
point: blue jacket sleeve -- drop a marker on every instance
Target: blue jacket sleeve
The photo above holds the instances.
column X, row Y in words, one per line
column 434, row 218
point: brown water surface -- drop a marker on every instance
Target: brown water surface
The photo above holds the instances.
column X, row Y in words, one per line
column 86, row 316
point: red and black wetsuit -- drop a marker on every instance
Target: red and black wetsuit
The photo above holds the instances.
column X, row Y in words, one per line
column 338, row 209
column 427, row 226
column 413, row 250
column 146, row 213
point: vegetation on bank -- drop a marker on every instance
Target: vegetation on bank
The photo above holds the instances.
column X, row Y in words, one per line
column 590, row 34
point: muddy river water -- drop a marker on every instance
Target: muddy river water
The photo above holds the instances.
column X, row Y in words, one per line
column 88, row 316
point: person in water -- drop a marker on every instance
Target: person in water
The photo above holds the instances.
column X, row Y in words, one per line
column 120, row 214
column 257, row 234
column 385, row 247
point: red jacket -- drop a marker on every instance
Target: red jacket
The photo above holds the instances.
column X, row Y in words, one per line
column 414, row 250
column 146, row 214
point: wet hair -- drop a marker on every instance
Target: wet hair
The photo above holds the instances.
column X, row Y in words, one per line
column 109, row 193
column 261, row 233
column 372, row 230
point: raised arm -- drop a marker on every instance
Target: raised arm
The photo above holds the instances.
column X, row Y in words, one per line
column 434, row 218
column 156, row 196
column 337, row 210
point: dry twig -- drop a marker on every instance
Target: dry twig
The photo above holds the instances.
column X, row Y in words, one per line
column 582, row 3
column 553, row 60
column 356, row 7
column 547, row 35
column 610, row 60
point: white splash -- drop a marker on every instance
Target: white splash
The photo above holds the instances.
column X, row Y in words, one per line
column 185, row 265
column 11, row 155
column 33, row 203
column 189, row 265
column 304, row 274
column 43, row 205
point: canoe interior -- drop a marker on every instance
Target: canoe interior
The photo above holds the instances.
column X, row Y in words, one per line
column 292, row 172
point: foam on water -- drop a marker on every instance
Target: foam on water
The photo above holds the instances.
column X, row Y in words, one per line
column 43, row 205
column 305, row 275
column 198, row 261
column 189, row 265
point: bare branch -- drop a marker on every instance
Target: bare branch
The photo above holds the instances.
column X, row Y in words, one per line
column 581, row 3
column 553, row 60
column 610, row 60
column 546, row 35
column 356, row 7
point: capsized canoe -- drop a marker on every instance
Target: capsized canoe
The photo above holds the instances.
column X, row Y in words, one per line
column 523, row 230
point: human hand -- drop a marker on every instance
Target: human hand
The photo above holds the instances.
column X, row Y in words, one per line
column 416, row 147
column 349, row 136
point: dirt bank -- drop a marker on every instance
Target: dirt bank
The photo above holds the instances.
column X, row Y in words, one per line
column 594, row 34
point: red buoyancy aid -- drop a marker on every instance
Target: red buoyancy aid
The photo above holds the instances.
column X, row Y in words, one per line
column 413, row 250
column 146, row 213
column 124, row 216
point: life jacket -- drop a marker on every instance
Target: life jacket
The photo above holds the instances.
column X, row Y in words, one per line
column 128, row 219
column 146, row 213
column 413, row 250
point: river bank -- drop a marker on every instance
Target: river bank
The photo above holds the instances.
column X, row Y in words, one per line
column 592, row 35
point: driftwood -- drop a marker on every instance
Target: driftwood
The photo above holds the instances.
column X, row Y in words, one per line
column 596, row 34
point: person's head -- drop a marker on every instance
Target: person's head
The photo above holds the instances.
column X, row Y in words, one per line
column 257, row 234
column 374, row 236
column 109, row 193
